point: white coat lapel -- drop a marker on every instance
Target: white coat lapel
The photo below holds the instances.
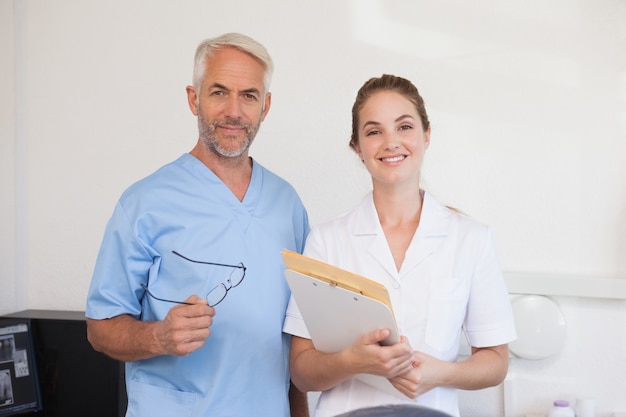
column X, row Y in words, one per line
column 430, row 234
column 368, row 226
column 379, row 249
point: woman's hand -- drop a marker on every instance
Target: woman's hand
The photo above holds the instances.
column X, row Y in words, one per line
column 423, row 375
column 367, row 355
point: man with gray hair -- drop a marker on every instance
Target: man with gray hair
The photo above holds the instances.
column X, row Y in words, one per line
column 188, row 287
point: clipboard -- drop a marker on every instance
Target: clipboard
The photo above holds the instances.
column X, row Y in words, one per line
column 338, row 307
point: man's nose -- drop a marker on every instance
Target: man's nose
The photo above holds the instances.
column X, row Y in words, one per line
column 232, row 107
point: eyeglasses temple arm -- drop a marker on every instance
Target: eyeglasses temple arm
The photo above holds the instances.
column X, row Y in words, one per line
column 163, row 299
column 208, row 263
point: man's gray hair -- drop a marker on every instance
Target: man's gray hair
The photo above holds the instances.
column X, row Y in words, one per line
column 231, row 40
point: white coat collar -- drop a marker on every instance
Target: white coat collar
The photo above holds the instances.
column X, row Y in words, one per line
column 433, row 226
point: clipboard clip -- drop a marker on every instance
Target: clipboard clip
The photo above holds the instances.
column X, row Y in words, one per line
column 333, row 283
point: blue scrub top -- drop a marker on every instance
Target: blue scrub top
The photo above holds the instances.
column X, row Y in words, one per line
column 243, row 368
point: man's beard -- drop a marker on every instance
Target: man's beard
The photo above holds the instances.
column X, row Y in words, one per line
column 208, row 134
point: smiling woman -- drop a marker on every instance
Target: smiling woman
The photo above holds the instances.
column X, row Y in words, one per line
column 440, row 267
column 392, row 140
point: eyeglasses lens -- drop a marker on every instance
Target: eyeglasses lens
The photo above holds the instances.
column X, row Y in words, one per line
column 217, row 294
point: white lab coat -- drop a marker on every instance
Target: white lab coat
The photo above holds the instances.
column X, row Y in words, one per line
column 450, row 281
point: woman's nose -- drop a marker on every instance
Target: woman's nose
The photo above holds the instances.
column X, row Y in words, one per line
column 391, row 142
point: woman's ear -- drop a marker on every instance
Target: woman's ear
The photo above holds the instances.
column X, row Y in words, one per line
column 355, row 147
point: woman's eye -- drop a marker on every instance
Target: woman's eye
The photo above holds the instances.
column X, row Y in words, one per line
column 406, row 127
column 372, row 133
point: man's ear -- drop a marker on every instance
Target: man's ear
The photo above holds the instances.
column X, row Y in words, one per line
column 192, row 99
column 266, row 105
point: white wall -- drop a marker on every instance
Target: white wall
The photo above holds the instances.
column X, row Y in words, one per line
column 527, row 102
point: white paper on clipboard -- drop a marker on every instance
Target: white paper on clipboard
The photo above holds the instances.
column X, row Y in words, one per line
column 336, row 317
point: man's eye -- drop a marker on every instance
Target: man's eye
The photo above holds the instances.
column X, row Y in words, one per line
column 250, row 96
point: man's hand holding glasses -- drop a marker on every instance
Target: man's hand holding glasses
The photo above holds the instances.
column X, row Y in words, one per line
column 185, row 328
column 187, row 325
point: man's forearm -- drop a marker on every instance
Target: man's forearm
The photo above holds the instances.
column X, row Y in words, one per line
column 123, row 338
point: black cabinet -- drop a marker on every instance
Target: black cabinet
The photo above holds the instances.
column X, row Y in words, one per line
column 75, row 380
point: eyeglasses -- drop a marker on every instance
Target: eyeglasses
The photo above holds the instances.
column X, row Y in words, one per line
column 217, row 294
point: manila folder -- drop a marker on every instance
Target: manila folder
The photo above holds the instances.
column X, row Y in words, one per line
column 336, row 317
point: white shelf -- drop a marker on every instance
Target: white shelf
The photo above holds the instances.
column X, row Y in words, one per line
column 576, row 286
